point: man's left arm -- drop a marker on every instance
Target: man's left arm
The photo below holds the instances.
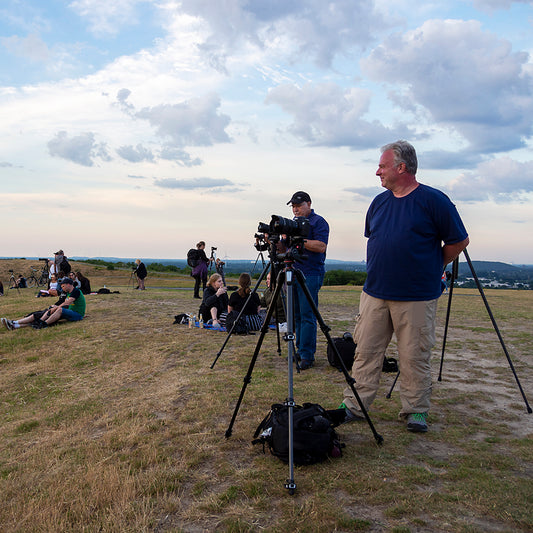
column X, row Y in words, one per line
column 451, row 251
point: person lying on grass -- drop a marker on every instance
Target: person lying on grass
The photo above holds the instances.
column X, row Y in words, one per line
column 72, row 309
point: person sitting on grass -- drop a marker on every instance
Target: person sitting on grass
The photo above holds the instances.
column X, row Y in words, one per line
column 214, row 306
column 250, row 307
column 53, row 288
column 72, row 309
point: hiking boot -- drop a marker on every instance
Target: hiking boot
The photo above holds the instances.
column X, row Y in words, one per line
column 306, row 364
column 8, row 324
column 416, row 422
column 349, row 416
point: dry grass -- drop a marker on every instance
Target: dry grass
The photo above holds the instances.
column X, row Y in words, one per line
column 117, row 423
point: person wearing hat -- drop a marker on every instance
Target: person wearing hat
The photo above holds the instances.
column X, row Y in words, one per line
column 72, row 308
column 61, row 263
column 313, row 269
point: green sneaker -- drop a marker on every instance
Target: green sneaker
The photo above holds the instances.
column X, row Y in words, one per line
column 349, row 416
column 416, row 422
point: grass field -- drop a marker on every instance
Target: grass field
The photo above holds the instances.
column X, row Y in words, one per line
column 117, row 423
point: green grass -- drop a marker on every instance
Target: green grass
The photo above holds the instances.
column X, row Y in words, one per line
column 118, row 424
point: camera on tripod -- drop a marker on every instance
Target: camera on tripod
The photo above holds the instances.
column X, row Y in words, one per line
column 290, row 233
column 297, row 228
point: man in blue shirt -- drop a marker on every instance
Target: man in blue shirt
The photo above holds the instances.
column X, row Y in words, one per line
column 413, row 232
column 313, row 269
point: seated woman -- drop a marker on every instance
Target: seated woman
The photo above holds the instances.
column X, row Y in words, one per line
column 237, row 302
column 214, row 304
column 53, row 288
column 85, row 284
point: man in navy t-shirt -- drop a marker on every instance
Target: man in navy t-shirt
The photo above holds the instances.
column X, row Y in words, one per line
column 413, row 232
column 313, row 270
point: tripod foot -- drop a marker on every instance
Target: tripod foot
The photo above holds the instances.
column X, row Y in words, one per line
column 290, row 486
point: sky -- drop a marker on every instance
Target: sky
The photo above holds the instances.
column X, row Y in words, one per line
column 136, row 128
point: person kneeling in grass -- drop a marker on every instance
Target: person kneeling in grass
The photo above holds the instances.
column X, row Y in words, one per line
column 73, row 309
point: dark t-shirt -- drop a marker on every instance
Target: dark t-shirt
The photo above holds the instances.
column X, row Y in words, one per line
column 404, row 250
column 236, row 301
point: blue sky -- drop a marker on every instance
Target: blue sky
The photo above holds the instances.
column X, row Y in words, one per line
column 139, row 127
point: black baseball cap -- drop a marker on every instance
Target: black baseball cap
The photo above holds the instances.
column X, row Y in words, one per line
column 299, row 197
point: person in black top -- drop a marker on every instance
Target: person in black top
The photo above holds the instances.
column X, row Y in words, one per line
column 141, row 273
column 199, row 272
column 85, row 283
column 214, row 304
column 237, row 302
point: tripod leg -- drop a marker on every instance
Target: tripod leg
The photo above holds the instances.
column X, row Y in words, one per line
column 240, row 314
column 389, row 394
column 455, row 270
column 248, row 376
column 325, row 330
column 289, row 336
column 496, row 329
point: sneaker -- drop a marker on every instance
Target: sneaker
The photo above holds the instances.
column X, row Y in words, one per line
column 306, row 364
column 349, row 416
column 8, row 324
column 416, row 422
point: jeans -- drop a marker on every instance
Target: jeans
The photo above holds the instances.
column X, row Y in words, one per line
column 304, row 318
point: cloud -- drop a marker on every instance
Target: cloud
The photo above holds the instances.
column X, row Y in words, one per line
column 364, row 192
column 467, row 79
column 196, row 122
column 5, row 164
column 492, row 5
column 193, row 183
column 105, row 17
column 135, row 155
column 31, row 47
column 179, row 156
column 327, row 115
column 502, row 180
column 80, row 149
column 296, row 28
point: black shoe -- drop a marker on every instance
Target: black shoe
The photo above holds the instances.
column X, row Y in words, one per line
column 306, row 364
column 197, row 297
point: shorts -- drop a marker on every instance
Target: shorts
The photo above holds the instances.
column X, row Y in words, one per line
column 70, row 315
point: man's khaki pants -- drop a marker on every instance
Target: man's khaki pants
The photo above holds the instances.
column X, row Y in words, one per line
column 413, row 323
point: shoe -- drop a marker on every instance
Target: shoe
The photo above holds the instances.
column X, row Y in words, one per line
column 40, row 324
column 348, row 415
column 8, row 324
column 306, row 364
column 416, row 422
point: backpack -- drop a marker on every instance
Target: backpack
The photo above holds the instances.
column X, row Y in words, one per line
column 346, row 347
column 314, row 439
column 193, row 257
column 240, row 327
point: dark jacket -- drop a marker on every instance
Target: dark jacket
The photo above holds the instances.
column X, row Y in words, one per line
column 210, row 300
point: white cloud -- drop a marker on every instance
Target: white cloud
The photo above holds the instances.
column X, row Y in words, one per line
column 106, row 17
column 31, row 47
column 196, row 122
column 193, row 183
column 135, row 155
column 500, row 180
column 81, row 149
column 466, row 78
column 327, row 115
column 297, row 28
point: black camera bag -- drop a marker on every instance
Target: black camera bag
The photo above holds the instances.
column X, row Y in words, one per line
column 346, row 347
column 314, row 439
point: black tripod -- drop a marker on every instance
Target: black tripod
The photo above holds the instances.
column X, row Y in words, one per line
column 289, row 275
column 455, row 271
column 230, row 332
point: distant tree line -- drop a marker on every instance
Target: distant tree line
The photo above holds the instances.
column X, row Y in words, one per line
column 344, row 277
column 130, row 265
